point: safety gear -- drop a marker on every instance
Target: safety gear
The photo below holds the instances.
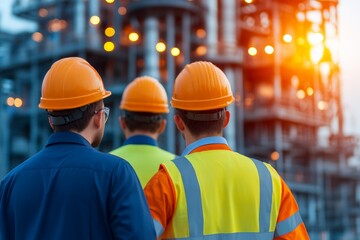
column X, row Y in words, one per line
column 201, row 86
column 255, row 203
column 71, row 83
column 144, row 155
column 145, row 94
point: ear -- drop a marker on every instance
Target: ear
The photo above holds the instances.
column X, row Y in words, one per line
column 162, row 126
column 226, row 118
column 122, row 123
column 50, row 122
column 97, row 120
column 179, row 123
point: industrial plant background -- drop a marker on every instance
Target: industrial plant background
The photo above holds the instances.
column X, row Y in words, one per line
column 281, row 57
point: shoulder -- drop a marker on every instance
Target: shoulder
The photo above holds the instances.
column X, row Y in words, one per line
column 118, row 151
column 108, row 160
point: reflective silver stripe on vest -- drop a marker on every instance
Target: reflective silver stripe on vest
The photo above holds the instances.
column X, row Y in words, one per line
column 194, row 205
column 265, row 195
column 288, row 225
column 193, row 197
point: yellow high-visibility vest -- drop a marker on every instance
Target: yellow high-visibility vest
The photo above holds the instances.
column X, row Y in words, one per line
column 144, row 158
column 221, row 194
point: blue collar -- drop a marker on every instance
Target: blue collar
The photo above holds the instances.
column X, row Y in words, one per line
column 141, row 139
column 202, row 142
column 67, row 137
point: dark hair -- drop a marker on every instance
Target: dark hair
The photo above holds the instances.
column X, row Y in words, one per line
column 199, row 127
column 78, row 125
column 144, row 121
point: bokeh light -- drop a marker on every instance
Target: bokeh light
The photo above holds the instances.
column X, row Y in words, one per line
column 94, row 20
column 175, row 51
column 109, row 46
column 160, row 47
column 109, row 31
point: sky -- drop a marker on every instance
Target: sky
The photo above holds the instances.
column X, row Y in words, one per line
column 349, row 49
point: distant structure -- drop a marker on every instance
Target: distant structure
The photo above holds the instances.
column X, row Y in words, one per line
column 279, row 55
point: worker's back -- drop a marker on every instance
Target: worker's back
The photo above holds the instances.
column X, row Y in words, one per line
column 69, row 190
column 229, row 180
column 144, row 156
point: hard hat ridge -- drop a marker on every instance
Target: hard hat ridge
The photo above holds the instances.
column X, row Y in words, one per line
column 201, row 86
column 145, row 94
column 71, row 83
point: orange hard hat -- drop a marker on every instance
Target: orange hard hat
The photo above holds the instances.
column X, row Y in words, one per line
column 201, row 86
column 71, row 83
column 145, row 94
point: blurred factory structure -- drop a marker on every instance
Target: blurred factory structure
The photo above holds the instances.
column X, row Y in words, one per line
column 281, row 57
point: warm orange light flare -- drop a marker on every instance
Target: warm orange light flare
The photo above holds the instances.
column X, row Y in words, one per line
column 201, row 50
column 252, row 51
column 248, row 1
column 316, row 53
column 309, row 91
column 10, row 101
column 325, row 68
column 269, row 49
column 322, row 105
column 295, row 81
column 109, row 31
column 43, row 12
column 122, row 11
column 18, row 102
column 274, row 156
column 315, row 38
column 37, row 37
column 287, row 38
column 57, row 25
column 300, row 94
column 200, row 33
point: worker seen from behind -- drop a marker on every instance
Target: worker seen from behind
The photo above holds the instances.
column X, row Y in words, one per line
column 211, row 192
column 144, row 105
column 69, row 190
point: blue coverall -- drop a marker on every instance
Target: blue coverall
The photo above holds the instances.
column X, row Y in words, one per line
column 69, row 190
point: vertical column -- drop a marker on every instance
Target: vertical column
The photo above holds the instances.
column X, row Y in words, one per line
column 79, row 20
column 239, row 110
column 151, row 56
column 186, row 43
column 132, row 57
column 212, row 27
column 4, row 127
column 228, row 26
column 230, row 130
column 34, row 101
column 170, row 65
column 277, row 83
column 277, row 55
column 93, row 36
column 229, row 45
column 279, row 146
column 186, row 31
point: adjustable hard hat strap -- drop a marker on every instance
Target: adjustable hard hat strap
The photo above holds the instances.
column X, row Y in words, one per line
column 72, row 117
column 202, row 117
column 143, row 118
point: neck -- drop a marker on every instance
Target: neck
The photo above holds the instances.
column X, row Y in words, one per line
column 136, row 132
column 189, row 138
